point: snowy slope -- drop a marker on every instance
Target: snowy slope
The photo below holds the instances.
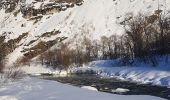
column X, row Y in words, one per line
column 37, row 89
column 93, row 19
column 139, row 73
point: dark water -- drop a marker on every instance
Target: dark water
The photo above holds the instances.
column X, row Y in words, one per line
column 109, row 84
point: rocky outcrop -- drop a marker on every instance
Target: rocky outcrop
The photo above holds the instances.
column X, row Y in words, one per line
column 49, row 8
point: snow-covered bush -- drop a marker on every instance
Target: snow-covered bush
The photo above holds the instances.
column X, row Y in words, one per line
column 10, row 75
column 13, row 73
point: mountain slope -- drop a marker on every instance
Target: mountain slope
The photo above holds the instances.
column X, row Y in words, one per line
column 93, row 19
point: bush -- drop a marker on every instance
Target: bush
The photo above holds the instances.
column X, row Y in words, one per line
column 10, row 75
column 1, row 68
column 13, row 73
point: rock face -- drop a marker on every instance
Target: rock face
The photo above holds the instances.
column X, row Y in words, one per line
column 48, row 8
column 54, row 21
column 8, row 5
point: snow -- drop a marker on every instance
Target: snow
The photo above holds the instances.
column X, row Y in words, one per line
column 93, row 19
column 7, row 98
column 38, row 89
column 120, row 90
column 29, row 1
column 37, row 69
column 140, row 73
column 89, row 88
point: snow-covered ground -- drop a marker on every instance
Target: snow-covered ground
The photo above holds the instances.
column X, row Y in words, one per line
column 38, row 69
column 89, row 88
column 143, row 73
column 37, row 89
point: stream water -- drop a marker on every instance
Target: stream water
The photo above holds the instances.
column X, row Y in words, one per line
column 109, row 85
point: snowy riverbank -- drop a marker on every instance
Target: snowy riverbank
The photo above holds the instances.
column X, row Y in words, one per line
column 37, row 89
column 143, row 74
column 140, row 73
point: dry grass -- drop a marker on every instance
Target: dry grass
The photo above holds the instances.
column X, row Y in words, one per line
column 1, row 68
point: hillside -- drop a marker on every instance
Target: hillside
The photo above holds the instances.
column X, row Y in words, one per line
column 32, row 27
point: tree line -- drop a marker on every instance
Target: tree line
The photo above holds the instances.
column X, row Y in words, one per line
column 145, row 38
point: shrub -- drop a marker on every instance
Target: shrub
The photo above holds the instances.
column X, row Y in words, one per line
column 1, row 67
